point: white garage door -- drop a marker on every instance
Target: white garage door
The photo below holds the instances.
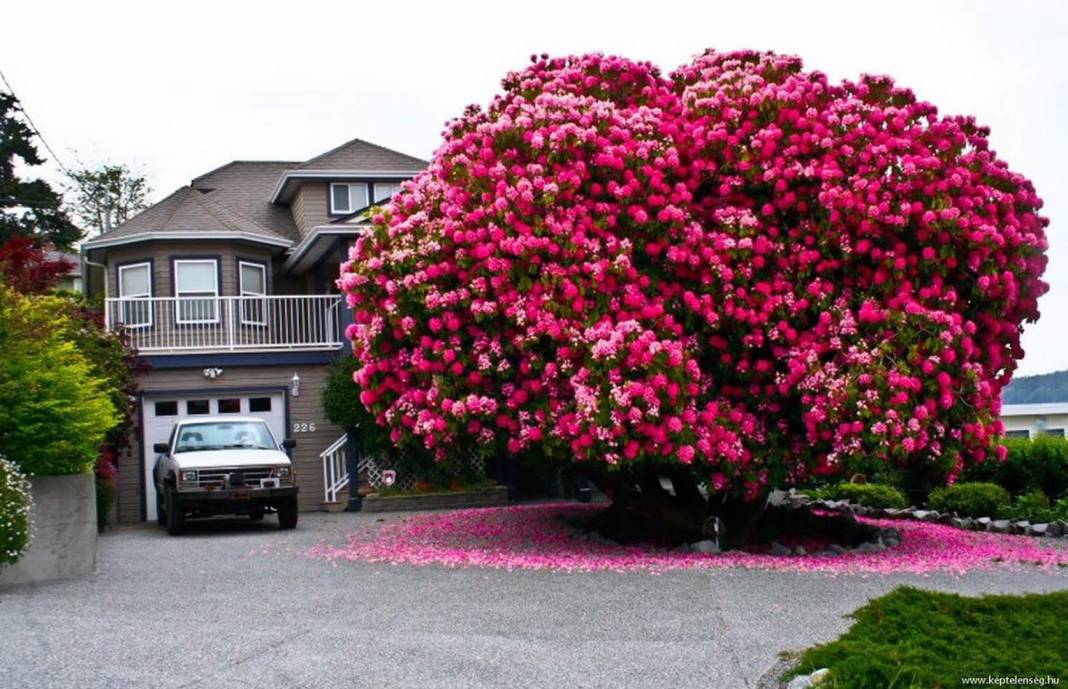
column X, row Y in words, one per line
column 160, row 412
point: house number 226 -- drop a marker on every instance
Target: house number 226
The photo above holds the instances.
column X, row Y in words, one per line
column 304, row 427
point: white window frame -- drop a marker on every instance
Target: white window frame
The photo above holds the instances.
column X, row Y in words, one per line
column 394, row 188
column 178, row 262
column 245, row 294
column 147, row 265
column 352, row 207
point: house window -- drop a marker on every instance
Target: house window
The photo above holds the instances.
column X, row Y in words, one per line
column 230, row 406
column 197, row 407
column 135, row 283
column 253, row 285
column 196, row 284
column 384, row 191
column 169, row 408
column 1055, row 432
column 346, row 198
column 260, row 404
column 1018, row 434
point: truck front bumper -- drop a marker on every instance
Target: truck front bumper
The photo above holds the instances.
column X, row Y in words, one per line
column 236, row 495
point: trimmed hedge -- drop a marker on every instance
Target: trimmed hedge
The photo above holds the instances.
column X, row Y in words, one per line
column 1039, row 464
column 15, row 502
column 970, row 499
column 867, row 494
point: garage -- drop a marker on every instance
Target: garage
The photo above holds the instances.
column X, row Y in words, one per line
column 160, row 411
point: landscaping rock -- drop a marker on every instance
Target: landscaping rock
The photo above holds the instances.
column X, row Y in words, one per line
column 800, row 682
column 706, row 546
column 778, row 498
column 1000, row 526
column 963, row 522
column 820, row 676
column 1021, row 526
column 1037, row 529
column 983, row 523
column 837, row 549
column 947, row 518
column 867, row 548
column 800, row 550
column 926, row 515
column 877, row 512
column 1055, row 529
column 779, row 550
column 684, row 548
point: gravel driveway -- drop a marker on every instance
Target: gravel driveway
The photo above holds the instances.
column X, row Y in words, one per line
column 236, row 604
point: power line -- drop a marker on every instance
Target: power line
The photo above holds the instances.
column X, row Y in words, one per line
column 70, row 175
column 33, row 127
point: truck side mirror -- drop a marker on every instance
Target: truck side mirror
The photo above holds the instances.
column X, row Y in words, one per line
column 289, row 443
column 161, row 448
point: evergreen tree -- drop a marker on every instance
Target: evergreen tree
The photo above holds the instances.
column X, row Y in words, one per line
column 28, row 208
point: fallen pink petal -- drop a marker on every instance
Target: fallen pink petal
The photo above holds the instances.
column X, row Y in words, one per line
column 538, row 537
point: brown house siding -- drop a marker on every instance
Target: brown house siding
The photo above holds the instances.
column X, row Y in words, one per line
column 163, row 253
column 310, row 206
column 303, row 409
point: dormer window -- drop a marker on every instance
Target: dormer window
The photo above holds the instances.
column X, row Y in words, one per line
column 346, row 198
column 386, row 190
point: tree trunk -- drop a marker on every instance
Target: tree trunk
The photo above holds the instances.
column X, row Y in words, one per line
column 643, row 510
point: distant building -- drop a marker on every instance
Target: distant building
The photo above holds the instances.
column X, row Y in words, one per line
column 72, row 281
column 1033, row 420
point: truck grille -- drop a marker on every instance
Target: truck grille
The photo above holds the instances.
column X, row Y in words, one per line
column 234, row 477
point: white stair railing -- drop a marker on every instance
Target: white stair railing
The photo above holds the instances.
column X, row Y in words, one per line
column 335, row 469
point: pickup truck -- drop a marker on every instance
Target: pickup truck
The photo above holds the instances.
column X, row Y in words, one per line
column 223, row 465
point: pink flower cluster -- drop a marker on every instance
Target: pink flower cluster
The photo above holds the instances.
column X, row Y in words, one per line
column 741, row 266
column 537, row 537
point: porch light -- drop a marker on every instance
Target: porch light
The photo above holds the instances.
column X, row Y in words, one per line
column 294, row 386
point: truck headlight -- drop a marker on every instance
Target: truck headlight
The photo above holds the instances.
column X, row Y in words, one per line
column 282, row 472
column 188, row 477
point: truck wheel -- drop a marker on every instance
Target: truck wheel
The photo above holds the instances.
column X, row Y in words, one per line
column 256, row 514
column 161, row 511
column 175, row 516
column 287, row 514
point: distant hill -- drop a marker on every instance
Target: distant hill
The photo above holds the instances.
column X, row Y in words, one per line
column 1041, row 389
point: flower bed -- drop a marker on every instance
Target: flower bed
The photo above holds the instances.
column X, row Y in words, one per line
column 539, row 537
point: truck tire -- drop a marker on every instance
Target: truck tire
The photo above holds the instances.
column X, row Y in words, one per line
column 175, row 516
column 287, row 513
column 256, row 514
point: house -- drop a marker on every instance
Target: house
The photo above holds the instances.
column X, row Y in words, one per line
column 71, row 281
column 1033, row 420
column 226, row 289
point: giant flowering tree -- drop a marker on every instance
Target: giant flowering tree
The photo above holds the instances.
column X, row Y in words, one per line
column 739, row 275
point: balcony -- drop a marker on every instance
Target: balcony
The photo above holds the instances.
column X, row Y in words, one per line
column 183, row 325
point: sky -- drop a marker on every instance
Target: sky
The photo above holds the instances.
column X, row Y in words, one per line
column 176, row 89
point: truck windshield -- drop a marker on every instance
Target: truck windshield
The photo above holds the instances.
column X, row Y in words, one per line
column 224, row 435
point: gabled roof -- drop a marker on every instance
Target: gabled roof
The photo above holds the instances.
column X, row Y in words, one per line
column 358, row 154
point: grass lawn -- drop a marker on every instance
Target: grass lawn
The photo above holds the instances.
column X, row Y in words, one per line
column 912, row 639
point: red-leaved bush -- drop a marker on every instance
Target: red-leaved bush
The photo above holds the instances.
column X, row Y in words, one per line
column 26, row 267
column 741, row 267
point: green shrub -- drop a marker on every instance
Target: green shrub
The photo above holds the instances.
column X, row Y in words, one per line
column 105, row 497
column 1033, row 506
column 970, row 499
column 15, row 505
column 1039, row 464
column 912, row 638
column 341, row 404
column 55, row 412
column 870, row 494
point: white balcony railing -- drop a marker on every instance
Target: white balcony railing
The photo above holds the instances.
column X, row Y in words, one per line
column 193, row 324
